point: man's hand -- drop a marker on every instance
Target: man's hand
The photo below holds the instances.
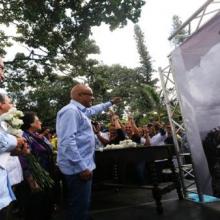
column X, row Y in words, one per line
column 114, row 120
column 96, row 128
column 115, row 117
column 25, row 149
column 20, row 141
column 22, row 146
column 146, row 132
column 130, row 117
column 116, row 100
column 86, row 175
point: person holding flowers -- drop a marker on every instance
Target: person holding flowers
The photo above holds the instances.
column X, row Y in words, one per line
column 10, row 169
column 35, row 192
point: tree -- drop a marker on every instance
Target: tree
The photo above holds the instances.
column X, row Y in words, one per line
column 144, row 57
column 46, row 98
column 128, row 83
column 56, row 35
column 182, row 34
column 148, row 97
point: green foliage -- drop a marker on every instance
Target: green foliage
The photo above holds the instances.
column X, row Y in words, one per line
column 56, row 35
column 144, row 57
column 182, row 34
column 138, row 97
column 53, row 27
column 148, row 99
column 46, row 98
column 3, row 42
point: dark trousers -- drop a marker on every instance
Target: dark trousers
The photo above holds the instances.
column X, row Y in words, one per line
column 3, row 214
column 78, row 197
column 34, row 205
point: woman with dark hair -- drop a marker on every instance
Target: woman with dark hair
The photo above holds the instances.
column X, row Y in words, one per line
column 39, row 145
column 36, row 202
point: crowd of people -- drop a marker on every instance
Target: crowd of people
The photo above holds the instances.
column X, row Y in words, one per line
column 74, row 143
column 151, row 134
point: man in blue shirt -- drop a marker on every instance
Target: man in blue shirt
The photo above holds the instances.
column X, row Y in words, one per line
column 76, row 145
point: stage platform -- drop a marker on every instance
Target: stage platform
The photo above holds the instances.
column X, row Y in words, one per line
column 138, row 204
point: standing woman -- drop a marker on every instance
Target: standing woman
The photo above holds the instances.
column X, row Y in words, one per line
column 36, row 202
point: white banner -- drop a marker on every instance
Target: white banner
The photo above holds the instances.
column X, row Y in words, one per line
column 196, row 65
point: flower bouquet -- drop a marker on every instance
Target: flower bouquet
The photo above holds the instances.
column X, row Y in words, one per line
column 123, row 144
column 11, row 123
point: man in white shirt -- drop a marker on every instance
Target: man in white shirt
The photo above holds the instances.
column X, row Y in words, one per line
column 156, row 138
column 8, row 143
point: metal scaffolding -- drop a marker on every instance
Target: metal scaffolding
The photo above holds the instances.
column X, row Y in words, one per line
column 173, row 104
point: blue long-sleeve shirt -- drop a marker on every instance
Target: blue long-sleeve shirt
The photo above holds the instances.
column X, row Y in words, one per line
column 76, row 140
column 7, row 143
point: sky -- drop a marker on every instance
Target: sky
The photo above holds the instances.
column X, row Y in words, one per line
column 119, row 47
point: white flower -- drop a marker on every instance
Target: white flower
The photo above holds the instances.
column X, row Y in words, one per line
column 19, row 114
column 16, row 113
column 16, row 122
column 12, row 110
column 6, row 117
column 123, row 144
column 12, row 121
column 15, row 132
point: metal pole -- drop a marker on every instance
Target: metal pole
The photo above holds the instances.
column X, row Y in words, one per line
column 200, row 195
column 196, row 13
column 162, row 72
column 177, row 149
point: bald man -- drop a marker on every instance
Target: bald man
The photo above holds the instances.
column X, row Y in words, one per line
column 76, row 145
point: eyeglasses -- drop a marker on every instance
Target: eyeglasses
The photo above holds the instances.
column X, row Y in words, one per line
column 84, row 93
